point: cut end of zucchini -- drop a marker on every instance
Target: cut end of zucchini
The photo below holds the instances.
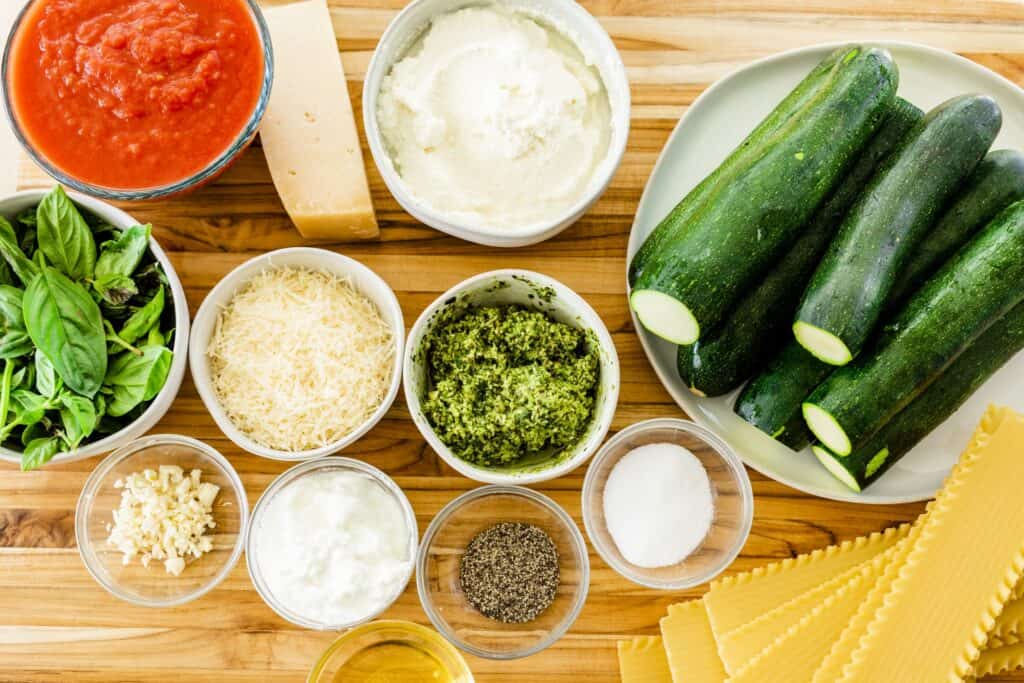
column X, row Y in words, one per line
column 823, row 345
column 666, row 317
column 827, row 429
column 835, row 467
column 876, row 461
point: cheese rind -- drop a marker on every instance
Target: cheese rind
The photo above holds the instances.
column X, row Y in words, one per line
column 309, row 132
column 643, row 660
column 914, row 636
column 690, row 644
column 736, row 600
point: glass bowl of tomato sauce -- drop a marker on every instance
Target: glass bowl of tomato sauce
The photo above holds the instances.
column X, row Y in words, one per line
column 137, row 99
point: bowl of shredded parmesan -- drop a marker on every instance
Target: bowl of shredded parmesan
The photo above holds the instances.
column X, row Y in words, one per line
column 296, row 353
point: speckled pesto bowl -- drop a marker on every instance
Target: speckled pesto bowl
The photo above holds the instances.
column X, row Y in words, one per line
column 527, row 288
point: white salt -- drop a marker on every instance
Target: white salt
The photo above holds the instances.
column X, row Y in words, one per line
column 658, row 505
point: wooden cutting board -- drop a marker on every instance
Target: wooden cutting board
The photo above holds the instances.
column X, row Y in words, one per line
column 57, row 625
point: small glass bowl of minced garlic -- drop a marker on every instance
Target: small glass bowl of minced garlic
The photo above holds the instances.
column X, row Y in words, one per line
column 179, row 485
column 502, row 572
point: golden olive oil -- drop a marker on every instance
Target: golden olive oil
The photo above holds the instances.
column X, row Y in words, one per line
column 393, row 662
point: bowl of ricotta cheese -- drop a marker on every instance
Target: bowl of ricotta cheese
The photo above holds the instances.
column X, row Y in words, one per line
column 500, row 123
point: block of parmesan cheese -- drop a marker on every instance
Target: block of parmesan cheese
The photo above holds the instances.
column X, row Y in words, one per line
column 309, row 131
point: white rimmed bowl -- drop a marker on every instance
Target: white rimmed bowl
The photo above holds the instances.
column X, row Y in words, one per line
column 152, row 586
column 362, row 278
column 732, row 498
column 16, row 203
column 252, row 540
column 568, row 18
column 524, row 287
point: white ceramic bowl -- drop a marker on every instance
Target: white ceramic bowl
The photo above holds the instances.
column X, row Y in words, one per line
column 502, row 287
column 569, row 18
column 362, row 278
column 16, row 203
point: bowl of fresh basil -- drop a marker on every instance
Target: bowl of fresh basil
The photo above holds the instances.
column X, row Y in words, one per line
column 93, row 328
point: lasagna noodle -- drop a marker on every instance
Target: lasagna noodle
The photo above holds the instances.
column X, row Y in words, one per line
column 736, row 600
column 643, row 660
column 738, row 647
column 796, row 654
column 914, row 636
column 690, row 645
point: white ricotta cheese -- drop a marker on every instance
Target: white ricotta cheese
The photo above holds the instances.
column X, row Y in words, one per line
column 495, row 118
column 333, row 547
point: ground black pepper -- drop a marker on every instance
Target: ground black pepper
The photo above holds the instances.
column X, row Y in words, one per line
column 510, row 572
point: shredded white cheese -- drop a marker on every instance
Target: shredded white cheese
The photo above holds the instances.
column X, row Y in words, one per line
column 299, row 359
column 163, row 515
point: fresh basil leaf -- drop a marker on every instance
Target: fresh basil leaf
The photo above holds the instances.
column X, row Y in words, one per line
column 65, row 324
column 38, row 430
column 64, row 236
column 23, row 267
column 27, row 218
column 123, row 255
column 29, row 407
column 5, row 396
column 39, row 452
column 28, row 242
column 149, row 277
column 25, row 229
column 7, row 276
column 115, row 289
column 78, row 416
column 136, row 379
column 140, row 321
column 47, row 382
column 14, row 339
column 154, row 337
column 19, row 377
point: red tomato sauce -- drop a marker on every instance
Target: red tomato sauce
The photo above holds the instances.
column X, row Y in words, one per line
column 134, row 94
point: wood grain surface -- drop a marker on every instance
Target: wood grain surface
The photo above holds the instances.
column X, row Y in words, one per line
column 56, row 624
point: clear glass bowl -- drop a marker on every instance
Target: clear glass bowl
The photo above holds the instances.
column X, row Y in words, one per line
column 730, row 488
column 381, row 633
column 440, row 556
column 152, row 586
column 289, row 477
column 183, row 186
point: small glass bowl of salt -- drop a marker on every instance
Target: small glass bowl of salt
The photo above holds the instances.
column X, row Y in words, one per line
column 667, row 504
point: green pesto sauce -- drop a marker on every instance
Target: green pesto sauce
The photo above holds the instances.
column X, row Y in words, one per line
column 508, row 383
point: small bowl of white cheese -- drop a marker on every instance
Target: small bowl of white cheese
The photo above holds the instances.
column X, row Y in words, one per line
column 500, row 122
column 332, row 543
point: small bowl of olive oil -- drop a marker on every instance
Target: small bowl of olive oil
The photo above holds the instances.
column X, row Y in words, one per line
column 391, row 652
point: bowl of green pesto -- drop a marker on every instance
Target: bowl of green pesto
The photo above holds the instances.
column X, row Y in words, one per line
column 511, row 377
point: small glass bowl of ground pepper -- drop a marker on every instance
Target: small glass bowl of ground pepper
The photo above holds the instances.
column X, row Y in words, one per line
column 502, row 572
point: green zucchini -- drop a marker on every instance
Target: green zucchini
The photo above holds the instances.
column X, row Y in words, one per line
column 755, row 329
column 795, row 101
column 997, row 182
column 991, row 351
column 771, row 401
column 847, row 293
column 757, row 211
column 969, row 293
